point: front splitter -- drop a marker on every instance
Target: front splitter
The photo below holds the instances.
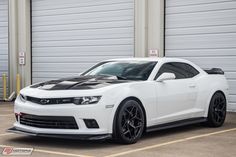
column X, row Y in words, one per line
column 63, row 136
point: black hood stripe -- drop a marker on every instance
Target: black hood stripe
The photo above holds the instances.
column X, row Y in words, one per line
column 81, row 82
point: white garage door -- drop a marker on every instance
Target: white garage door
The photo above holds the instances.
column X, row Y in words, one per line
column 204, row 31
column 69, row 36
column 3, row 41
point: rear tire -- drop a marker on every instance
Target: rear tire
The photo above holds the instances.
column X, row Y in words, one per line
column 217, row 110
column 129, row 123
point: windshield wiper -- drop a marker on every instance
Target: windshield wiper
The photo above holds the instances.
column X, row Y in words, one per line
column 121, row 78
column 118, row 77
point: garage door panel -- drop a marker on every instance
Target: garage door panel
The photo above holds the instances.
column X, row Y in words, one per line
column 204, row 8
column 50, row 5
column 232, row 98
column 3, row 41
column 82, row 34
column 62, row 67
column 83, row 43
column 3, row 50
column 85, row 21
column 2, row 2
column 226, row 17
column 101, row 25
column 4, row 13
column 3, row 68
column 84, row 37
column 201, row 30
column 85, row 16
column 3, row 6
column 174, row 3
column 232, row 87
column 201, row 41
column 3, row 32
column 3, row 37
column 65, row 60
column 3, row 57
column 109, row 54
column 84, row 51
column 230, row 75
column 201, row 52
column 70, row 36
column 89, row 9
column 3, row 21
column 205, row 33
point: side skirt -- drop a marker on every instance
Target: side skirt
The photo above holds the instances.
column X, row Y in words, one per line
column 176, row 124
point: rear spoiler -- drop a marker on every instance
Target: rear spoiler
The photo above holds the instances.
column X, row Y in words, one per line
column 215, row 71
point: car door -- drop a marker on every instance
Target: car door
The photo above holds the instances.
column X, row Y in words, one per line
column 176, row 98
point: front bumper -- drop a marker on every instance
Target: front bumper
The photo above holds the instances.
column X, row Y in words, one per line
column 99, row 112
column 63, row 136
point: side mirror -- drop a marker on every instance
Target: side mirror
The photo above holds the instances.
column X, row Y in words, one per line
column 166, row 76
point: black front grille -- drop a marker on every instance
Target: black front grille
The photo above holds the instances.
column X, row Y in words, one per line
column 49, row 101
column 54, row 122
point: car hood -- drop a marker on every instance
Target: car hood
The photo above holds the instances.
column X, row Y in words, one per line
column 79, row 83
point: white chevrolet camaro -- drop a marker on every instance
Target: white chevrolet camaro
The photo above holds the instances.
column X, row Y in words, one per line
column 122, row 99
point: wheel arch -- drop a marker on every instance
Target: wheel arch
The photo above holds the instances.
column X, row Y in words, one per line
column 220, row 91
column 209, row 99
column 118, row 108
column 217, row 91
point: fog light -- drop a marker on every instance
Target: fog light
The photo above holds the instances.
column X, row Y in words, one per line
column 91, row 123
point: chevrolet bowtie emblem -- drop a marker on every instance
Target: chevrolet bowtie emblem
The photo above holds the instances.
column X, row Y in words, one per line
column 44, row 101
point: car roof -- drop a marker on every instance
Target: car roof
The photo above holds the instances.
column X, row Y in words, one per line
column 159, row 60
column 152, row 59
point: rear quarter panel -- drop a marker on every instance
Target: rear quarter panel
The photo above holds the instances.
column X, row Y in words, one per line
column 207, row 86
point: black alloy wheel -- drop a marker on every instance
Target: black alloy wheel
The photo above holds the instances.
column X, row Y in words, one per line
column 217, row 110
column 130, row 122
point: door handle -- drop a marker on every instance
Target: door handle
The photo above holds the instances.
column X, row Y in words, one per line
column 192, row 86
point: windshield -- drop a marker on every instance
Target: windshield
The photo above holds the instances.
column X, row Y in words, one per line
column 127, row 70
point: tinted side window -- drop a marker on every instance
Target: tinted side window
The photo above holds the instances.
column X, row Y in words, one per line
column 181, row 70
column 191, row 70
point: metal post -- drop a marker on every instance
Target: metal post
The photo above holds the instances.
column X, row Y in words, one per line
column 4, row 82
column 18, row 84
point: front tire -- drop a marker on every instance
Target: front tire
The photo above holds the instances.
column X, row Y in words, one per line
column 129, row 124
column 217, row 110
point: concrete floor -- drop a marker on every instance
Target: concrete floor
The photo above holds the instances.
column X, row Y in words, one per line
column 194, row 141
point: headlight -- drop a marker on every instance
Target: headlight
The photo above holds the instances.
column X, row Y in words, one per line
column 22, row 98
column 87, row 100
